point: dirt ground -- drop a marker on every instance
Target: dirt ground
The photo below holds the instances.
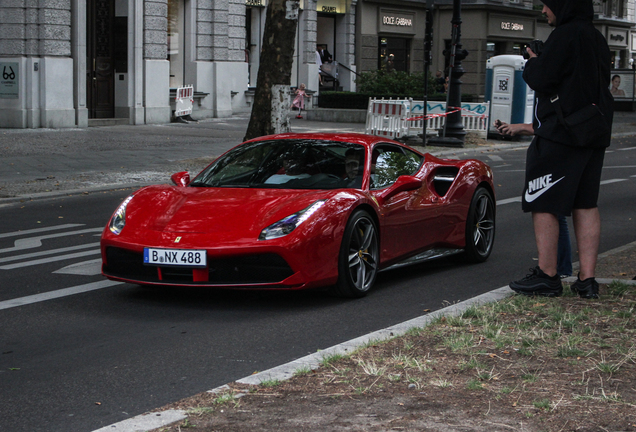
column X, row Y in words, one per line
column 523, row 364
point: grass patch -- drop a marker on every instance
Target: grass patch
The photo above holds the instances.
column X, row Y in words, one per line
column 330, row 360
column 270, row 383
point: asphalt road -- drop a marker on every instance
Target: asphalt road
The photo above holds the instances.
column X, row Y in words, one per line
column 83, row 361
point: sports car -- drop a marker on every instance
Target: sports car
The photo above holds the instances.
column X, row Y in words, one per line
column 296, row 211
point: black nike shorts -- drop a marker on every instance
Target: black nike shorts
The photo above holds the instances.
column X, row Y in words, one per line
column 560, row 178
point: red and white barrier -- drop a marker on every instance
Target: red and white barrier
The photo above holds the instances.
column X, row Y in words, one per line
column 388, row 117
column 184, row 100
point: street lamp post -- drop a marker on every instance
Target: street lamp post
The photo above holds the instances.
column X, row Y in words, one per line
column 453, row 133
column 428, row 45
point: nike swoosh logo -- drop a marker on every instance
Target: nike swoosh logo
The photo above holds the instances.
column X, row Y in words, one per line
column 534, row 196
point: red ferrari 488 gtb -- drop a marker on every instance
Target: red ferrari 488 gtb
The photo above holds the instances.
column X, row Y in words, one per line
column 296, row 211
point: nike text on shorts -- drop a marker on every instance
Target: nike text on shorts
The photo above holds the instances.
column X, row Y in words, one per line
column 560, row 178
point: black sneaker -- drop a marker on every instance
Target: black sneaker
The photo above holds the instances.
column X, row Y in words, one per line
column 539, row 284
column 587, row 289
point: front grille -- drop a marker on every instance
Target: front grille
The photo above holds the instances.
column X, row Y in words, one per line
column 246, row 270
column 251, row 269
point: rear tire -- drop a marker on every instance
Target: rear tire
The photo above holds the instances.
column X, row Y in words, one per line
column 359, row 257
column 480, row 226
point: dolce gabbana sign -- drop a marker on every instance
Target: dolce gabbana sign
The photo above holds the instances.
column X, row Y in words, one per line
column 396, row 21
column 507, row 25
column 500, row 25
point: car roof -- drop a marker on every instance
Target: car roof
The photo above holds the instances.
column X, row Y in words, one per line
column 356, row 138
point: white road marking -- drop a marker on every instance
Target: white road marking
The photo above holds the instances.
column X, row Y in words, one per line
column 48, row 252
column 36, row 298
column 34, row 242
column 38, row 230
column 627, row 148
column 86, row 268
column 509, row 200
column 495, row 158
column 604, row 182
column 49, row 260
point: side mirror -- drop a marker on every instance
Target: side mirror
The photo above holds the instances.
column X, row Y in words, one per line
column 403, row 183
column 181, row 179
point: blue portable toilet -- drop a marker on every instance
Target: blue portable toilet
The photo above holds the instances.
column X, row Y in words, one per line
column 511, row 100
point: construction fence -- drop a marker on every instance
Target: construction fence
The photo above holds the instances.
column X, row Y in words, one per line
column 404, row 118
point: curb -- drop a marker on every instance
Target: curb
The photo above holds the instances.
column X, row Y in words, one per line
column 69, row 192
column 313, row 361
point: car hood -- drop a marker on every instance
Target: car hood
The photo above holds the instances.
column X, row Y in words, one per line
column 230, row 211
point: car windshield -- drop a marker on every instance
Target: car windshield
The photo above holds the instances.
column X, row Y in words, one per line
column 287, row 164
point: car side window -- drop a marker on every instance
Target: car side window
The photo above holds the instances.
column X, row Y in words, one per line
column 390, row 162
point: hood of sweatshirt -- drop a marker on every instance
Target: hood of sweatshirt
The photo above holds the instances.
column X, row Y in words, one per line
column 569, row 10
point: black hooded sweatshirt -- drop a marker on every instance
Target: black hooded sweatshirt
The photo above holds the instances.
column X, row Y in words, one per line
column 575, row 65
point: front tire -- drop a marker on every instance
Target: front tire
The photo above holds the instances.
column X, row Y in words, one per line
column 480, row 226
column 359, row 256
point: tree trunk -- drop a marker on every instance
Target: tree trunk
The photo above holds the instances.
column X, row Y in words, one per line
column 270, row 112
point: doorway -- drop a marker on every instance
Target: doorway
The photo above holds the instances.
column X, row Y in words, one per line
column 100, row 82
column 394, row 54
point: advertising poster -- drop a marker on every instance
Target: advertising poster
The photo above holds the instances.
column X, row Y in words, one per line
column 9, row 79
column 622, row 84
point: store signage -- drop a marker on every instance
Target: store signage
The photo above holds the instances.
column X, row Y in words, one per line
column 395, row 21
column 507, row 25
column 9, row 80
column 331, row 6
column 617, row 37
column 256, row 3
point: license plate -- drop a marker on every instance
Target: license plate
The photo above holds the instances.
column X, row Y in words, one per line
column 175, row 257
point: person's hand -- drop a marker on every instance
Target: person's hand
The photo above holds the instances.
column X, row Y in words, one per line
column 505, row 128
column 513, row 129
column 531, row 54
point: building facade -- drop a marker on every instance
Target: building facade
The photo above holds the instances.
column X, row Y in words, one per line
column 65, row 63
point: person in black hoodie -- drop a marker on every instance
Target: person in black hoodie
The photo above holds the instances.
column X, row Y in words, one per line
column 562, row 179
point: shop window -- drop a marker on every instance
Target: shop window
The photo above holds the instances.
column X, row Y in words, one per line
column 254, row 24
column 620, row 59
column 176, row 33
column 613, row 8
column 394, row 54
column 494, row 48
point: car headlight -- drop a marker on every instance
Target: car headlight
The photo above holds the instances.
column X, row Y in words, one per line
column 118, row 220
column 290, row 223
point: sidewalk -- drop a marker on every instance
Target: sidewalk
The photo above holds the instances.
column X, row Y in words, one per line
column 43, row 162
